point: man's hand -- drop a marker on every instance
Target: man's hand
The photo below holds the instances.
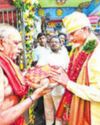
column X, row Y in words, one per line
column 42, row 90
column 59, row 76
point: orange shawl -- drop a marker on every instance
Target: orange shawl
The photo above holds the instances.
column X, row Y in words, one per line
column 15, row 80
column 13, row 75
column 80, row 109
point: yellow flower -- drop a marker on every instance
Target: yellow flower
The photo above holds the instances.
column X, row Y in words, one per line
column 29, row 22
column 26, row 14
column 28, row 1
column 21, row 33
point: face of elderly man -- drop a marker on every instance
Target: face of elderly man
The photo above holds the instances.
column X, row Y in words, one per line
column 77, row 25
column 11, row 41
column 78, row 36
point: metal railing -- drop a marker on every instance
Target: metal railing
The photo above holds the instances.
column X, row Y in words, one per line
column 9, row 16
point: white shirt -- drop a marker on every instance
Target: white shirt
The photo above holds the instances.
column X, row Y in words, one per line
column 60, row 59
column 40, row 55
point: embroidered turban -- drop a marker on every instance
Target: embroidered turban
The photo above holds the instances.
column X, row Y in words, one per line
column 75, row 21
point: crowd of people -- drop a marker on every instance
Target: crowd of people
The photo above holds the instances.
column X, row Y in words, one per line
column 75, row 97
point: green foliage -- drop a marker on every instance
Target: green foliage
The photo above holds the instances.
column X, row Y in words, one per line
column 25, row 4
column 90, row 46
column 18, row 4
column 27, row 8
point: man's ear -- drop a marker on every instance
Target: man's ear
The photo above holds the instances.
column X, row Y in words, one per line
column 87, row 31
column 1, row 45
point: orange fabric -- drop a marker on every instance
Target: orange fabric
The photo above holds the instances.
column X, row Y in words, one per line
column 15, row 82
column 13, row 76
column 61, row 108
column 80, row 109
column 74, row 69
column 19, row 121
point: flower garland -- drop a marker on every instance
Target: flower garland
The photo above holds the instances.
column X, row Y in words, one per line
column 74, row 69
column 27, row 7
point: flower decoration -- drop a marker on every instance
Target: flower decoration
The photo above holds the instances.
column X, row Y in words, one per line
column 27, row 8
column 74, row 69
column 89, row 47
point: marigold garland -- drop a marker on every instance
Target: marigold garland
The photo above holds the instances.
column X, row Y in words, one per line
column 74, row 68
column 27, row 7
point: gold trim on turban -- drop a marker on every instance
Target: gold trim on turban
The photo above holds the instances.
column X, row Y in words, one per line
column 75, row 21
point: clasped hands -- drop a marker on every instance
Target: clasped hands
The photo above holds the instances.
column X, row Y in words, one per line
column 56, row 76
column 60, row 76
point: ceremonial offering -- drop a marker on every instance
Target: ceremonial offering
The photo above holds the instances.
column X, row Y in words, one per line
column 37, row 73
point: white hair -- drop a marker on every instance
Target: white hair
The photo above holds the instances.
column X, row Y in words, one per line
column 10, row 32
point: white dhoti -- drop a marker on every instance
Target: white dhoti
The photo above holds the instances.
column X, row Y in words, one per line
column 51, row 103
